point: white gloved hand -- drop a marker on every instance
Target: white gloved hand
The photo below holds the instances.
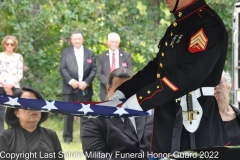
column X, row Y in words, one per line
column 132, row 103
column 117, row 95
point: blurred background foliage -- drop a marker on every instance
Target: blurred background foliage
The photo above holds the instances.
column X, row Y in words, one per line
column 43, row 28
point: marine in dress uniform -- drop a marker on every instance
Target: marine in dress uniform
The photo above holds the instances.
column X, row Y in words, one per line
column 191, row 57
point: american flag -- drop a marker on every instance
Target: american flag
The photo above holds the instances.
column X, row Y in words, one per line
column 106, row 109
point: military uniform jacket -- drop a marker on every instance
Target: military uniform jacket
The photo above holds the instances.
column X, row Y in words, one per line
column 191, row 55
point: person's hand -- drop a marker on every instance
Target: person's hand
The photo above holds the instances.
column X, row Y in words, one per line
column 117, row 95
column 82, row 85
column 132, row 103
column 75, row 84
column 9, row 92
column 8, row 88
column 7, row 85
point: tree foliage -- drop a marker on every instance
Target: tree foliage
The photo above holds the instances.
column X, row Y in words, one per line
column 43, row 28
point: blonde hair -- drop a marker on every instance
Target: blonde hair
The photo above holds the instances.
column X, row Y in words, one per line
column 13, row 38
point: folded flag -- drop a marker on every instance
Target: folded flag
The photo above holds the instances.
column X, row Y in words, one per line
column 107, row 109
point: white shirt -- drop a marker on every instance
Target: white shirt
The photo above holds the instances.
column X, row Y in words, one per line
column 116, row 54
column 79, row 57
column 133, row 119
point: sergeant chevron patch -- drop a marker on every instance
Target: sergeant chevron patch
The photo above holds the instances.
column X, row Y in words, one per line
column 198, row 42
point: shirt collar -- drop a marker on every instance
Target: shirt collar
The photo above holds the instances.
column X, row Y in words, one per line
column 80, row 49
column 116, row 51
column 189, row 9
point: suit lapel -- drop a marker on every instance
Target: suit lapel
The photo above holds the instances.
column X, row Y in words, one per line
column 140, row 122
column 119, row 123
column 85, row 57
column 72, row 53
column 120, row 58
column 107, row 60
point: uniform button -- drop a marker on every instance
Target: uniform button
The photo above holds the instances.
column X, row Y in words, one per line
column 174, row 24
column 200, row 10
column 166, row 44
column 179, row 14
column 171, row 34
column 172, row 46
column 161, row 65
column 157, row 86
column 158, row 75
column 148, row 92
column 162, row 54
column 140, row 97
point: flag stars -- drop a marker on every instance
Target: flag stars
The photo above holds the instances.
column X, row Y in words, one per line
column 49, row 105
column 120, row 111
column 13, row 102
column 85, row 108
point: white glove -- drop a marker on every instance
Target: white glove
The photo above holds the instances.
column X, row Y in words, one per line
column 117, row 95
column 132, row 103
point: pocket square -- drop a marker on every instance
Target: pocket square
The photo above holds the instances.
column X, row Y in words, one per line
column 89, row 60
column 124, row 64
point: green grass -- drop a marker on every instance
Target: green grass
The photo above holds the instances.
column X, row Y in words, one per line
column 73, row 150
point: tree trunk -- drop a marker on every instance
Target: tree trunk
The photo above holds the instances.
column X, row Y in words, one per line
column 155, row 4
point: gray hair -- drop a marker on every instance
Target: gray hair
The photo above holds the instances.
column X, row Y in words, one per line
column 113, row 35
column 227, row 77
column 119, row 72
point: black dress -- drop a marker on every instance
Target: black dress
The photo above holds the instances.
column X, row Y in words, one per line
column 42, row 143
column 233, row 130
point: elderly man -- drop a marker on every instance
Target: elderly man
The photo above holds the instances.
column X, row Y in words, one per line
column 109, row 60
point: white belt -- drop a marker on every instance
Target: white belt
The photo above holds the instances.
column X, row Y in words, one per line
column 206, row 91
column 190, row 124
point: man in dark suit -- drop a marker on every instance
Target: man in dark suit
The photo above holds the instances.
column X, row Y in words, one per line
column 109, row 60
column 113, row 135
column 78, row 69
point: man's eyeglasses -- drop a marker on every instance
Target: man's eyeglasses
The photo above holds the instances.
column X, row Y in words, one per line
column 10, row 44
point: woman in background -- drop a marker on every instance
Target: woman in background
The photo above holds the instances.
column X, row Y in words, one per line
column 26, row 135
column 11, row 70
column 230, row 114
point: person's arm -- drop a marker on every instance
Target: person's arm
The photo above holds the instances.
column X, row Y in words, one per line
column 129, row 61
column 4, row 145
column 195, row 68
column 63, row 67
column 57, row 147
column 100, row 76
column 19, row 68
column 92, row 138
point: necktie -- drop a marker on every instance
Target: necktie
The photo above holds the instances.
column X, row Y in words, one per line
column 130, row 126
column 113, row 62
